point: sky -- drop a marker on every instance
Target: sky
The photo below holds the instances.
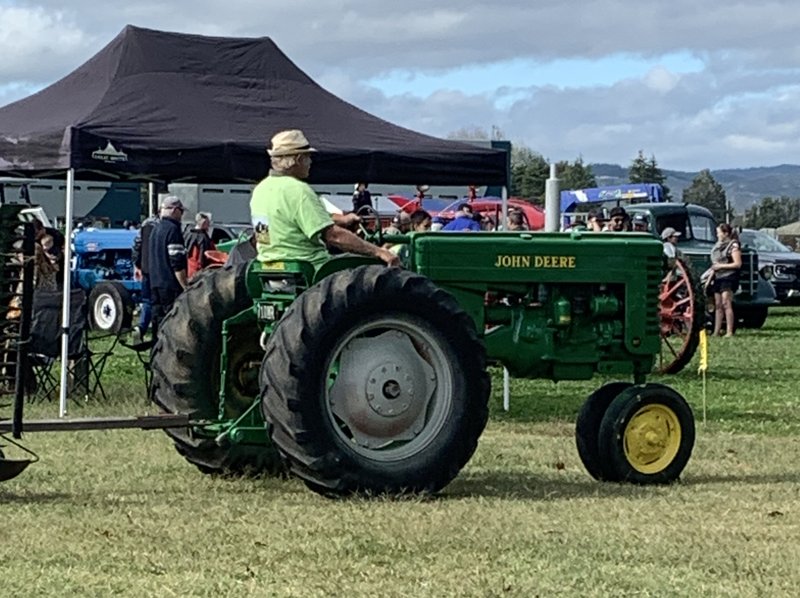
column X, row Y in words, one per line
column 697, row 85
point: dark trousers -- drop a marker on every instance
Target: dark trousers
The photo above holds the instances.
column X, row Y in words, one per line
column 162, row 301
column 146, row 313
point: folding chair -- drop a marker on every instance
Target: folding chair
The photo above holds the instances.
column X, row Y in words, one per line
column 84, row 367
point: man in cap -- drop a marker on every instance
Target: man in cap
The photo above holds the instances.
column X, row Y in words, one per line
column 299, row 226
column 167, row 260
column 640, row 224
column 617, row 220
column 197, row 243
column 670, row 236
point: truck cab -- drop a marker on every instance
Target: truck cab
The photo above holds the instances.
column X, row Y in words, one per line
column 698, row 235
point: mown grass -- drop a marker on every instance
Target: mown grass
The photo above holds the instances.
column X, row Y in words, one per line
column 120, row 513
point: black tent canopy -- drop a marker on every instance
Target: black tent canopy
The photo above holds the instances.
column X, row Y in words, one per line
column 177, row 107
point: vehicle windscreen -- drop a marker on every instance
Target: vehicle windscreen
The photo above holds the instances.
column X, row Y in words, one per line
column 762, row 242
column 702, row 228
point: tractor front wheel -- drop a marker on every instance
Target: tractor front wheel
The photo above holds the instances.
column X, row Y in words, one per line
column 647, row 435
column 110, row 308
column 375, row 382
column 186, row 371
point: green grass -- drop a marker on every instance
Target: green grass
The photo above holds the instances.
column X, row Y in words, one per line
column 120, row 513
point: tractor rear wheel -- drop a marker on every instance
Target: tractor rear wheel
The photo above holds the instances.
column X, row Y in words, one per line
column 186, row 371
column 375, row 382
column 681, row 316
column 647, row 435
column 587, row 427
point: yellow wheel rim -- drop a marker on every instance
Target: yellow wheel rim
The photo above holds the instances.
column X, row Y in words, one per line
column 652, row 438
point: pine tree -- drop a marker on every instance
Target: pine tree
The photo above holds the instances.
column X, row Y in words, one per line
column 707, row 192
column 643, row 170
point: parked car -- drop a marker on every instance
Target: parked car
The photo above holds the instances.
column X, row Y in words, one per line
column 698, row 235
column 776, row 262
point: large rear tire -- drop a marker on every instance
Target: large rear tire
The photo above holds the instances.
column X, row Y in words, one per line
column 681, row 317
column 186, row 366
column 375, row 382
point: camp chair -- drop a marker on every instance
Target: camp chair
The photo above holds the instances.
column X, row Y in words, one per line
column 84, row 368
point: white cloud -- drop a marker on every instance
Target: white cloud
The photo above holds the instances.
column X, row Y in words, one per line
column 739, row 110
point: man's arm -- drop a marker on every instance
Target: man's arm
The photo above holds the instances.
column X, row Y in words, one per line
column 343, row 239
column 177, row 257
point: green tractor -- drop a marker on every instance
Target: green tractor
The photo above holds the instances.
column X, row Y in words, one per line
column 360, row 378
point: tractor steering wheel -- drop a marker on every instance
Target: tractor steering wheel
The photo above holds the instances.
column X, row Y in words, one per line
column 377, row 232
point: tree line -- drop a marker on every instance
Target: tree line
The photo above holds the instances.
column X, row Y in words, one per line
column 530, row 170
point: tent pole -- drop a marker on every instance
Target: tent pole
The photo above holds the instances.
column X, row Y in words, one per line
column 65, row 306
column 504, row 197
column 151, row 200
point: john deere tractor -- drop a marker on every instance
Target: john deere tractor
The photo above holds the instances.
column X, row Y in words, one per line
column 360, row 378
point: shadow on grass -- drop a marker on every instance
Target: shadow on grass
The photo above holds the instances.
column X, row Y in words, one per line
column 501, row 484
column 34, row 497
column 757, row 478
column 531, row 487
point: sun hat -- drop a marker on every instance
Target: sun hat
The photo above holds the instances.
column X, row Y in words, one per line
column 200, row 216
column 289, row 143
column 172, row 202
column 669, row 232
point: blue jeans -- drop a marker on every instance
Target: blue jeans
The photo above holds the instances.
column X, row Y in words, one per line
column 146, row 312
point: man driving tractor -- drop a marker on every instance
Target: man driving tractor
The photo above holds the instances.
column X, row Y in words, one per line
column 299, row 226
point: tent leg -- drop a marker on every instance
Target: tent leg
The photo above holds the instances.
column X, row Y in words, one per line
column 65, row 308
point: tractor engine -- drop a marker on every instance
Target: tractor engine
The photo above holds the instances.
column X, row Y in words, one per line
column 551, row 305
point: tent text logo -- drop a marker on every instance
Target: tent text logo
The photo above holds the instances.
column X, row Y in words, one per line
column 110, row 154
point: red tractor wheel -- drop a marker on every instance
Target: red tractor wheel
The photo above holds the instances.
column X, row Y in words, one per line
column 681, row 318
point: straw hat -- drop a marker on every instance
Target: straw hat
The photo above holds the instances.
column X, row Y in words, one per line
column 289, row 143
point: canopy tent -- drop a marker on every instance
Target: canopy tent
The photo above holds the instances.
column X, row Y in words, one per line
column 172, row 107
column 153, row 105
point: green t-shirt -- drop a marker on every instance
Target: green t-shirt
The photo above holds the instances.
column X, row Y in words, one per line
column 295, row 216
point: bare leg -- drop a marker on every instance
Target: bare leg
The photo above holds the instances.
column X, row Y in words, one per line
column 727, row 304
column 717, row 314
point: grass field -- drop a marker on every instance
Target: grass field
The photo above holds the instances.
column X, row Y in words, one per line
column 120, row 513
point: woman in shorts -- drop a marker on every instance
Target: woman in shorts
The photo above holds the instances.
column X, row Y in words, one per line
column 726, row 260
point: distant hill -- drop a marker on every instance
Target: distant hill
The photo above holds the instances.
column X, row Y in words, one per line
column 743, row 186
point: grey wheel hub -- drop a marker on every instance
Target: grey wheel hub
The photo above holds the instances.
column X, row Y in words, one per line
column 382, row 389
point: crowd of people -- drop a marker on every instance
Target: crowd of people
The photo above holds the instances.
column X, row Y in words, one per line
column 165, row 260
column 290, row 222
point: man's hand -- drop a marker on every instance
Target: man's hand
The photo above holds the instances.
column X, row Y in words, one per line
column 390, row 258
column 137, row 273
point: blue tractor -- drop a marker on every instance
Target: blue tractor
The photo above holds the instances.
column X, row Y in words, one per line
column 102, row 265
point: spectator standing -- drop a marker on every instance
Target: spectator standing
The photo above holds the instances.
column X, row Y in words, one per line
column 726, row 260
column 361, row 197
column 618, row 220
column 167, row 260
column 421, row 221
column 400, row 225
column 669, row 236
column 464, row 220
column 141, row 272
column 197, row 243
column 640, row 224
column 516, row 221
column 594, row 221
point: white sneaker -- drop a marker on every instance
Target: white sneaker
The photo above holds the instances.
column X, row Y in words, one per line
column 136, row 335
